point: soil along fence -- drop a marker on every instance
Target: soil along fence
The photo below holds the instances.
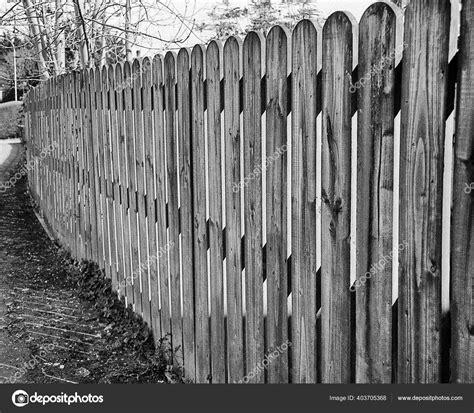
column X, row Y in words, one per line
column 277, row 204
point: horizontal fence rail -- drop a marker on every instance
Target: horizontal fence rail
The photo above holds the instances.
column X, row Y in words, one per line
column 276, row 206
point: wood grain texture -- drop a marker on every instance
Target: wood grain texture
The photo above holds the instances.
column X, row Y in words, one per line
column 186, row 203
column 232, row 133
column 214, row 155
column 421, row 187
column 277, row 61
column 134, row 281
column 172, row 190
column 110, row 267
column 115, row 221
column 91, row 141
column 253, row 61
column 99, row 156
column 159, row 312
column 124, row 237
column 141, row 177
column 462, row 218
column 198, row 167
column 338, row 37
column 303, row 201
column 150, row 196
column 98, row 248
column 375, row 90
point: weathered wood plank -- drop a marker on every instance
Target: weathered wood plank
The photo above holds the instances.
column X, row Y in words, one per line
column 425, row 64
column 186, row 214
column 160, row 181
column 233, row 232
column 198, row 168
column 253, row 62
column 462, row 219
column 115, row 182
column 277, row 61
column 378, row 52
column 132, row 197
column 149, row 159
column 124, row 284
column 338, row 36
column 303, row 201
column 214, row 154
column 103, row 239
column 140, row 180
column 92, row 142
column 172, row 191
column 110, row 268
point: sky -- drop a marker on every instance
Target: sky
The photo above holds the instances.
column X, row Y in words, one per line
column 167, row 26
column 199, row 9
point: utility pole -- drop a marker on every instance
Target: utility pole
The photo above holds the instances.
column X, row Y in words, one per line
column 15, row 80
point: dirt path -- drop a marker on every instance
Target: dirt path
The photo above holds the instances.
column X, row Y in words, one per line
column 48, row 332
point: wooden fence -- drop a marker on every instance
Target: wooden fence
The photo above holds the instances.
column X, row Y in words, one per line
column 251, row 199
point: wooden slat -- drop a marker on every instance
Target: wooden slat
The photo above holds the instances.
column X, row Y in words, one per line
column 140, row 176
column 462, row 221
column 84, row 138
column 214, row 154
column 232, row 50
column 81, row 162
column 149, row 159
column 198, row 168
column 172, row 193
column 160, row 182
column 277, row 51
column 303, row 201
column 425, row 64
column 338, row 33
column 132, row 199
column 92, row 143
column 124, row 283
column 253, row 62
column 375, row 153
column 110, row 268
column 115, row 183
column 103, row 234
column 186, row 214
column 75, row 176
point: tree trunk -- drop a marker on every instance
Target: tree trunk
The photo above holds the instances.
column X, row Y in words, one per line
column 37, row 38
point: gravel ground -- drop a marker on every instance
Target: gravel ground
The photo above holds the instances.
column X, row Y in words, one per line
column 59, row 320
